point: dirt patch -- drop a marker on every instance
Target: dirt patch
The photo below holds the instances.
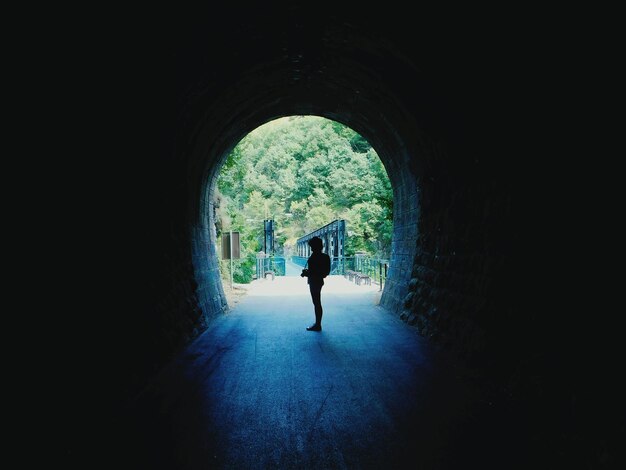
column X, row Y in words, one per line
column 234, row 295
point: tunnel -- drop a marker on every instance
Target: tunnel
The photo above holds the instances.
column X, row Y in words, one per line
column 434, row 100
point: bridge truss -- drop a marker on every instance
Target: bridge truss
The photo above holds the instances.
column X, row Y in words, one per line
column 333, row 237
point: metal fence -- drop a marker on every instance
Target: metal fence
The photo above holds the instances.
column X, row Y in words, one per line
column 375, row 268
column 299, row 260
column 271, row 264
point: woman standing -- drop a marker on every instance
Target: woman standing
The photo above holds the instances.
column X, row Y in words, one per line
column 318, row 268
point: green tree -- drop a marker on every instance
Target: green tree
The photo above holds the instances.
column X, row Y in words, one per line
column 304, row 172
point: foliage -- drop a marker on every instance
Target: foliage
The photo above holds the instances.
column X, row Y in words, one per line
column 304, row 172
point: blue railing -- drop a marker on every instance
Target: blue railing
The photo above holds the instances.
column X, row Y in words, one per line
column 299, row 260
column 375, row 268
column 275, row 264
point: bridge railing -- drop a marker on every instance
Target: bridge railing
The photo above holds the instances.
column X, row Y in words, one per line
column 299, row 260
column 275, row 264
column 375, row 268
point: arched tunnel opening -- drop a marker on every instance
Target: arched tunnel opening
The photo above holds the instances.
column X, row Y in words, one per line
column 439, row 108
column 208, row 259
column 394, row 148
column 293, row 178
column 447, row 256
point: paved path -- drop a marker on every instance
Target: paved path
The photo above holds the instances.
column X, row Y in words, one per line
column 258, row 391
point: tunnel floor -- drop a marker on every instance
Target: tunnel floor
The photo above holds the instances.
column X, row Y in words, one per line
column 256, row 390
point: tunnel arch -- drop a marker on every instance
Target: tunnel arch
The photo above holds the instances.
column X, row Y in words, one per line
column 431, row 132
column 463, row 106
column 403, row 247
column 393, row 149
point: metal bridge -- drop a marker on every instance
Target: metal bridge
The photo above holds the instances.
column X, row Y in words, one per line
column 333, row 237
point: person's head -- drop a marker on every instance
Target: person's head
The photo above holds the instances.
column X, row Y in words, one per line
column 316, row 244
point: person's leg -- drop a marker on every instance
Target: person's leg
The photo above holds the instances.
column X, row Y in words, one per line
column 318, row 305
column 316, row 292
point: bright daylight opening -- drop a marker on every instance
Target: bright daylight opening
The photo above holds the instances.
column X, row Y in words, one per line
column 298, row 177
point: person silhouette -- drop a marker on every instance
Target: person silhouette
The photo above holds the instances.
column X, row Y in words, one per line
column 318, row 268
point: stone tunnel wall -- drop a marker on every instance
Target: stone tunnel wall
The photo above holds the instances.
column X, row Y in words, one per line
column 448, row 259
column 141, row 174
column 455, row 295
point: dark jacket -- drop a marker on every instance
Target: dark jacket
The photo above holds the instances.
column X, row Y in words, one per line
column 319, row 268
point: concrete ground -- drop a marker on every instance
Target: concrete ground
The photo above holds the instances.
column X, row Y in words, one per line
column 258, row 391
